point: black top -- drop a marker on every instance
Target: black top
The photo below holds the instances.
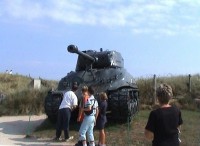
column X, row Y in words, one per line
column 163, row 122
column 102, row 111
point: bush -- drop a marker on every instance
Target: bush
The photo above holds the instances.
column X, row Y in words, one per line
column 180, row 86
column 146, row 90
column 24, row 102
column 20, row 97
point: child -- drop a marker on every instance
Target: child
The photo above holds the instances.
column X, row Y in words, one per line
column 101, row 119
column 164, row 123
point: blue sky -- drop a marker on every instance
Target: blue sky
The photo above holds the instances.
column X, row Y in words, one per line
column 154, row 36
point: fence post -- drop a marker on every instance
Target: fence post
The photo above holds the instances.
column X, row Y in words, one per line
column 154, row 96
column 190, row 83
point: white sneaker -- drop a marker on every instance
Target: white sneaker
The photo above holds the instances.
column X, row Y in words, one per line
column 70, row 138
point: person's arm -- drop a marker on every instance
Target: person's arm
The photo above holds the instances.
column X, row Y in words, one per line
column 74, row 103
column 74, row 107
column 87, row 108
column 179, row 127
column 150, row 127
column 80, row 111
column 97, row 113
column 148, row 134
column 180, row 122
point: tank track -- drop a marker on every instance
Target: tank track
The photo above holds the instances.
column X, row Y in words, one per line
column 123, row 104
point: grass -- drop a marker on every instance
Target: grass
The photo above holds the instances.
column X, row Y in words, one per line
column 20, row 97
column 26, row 101
column 180, row 86
column 133, row 134
column 10, row 84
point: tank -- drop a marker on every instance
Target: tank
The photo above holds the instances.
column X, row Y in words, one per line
column 104, row 70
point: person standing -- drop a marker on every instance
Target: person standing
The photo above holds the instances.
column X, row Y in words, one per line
column 84, row 99
column 102, row 119
column 90, row 115
column 68, row 104
column 164, row 123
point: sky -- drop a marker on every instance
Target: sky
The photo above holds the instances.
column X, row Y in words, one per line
column 159, row 37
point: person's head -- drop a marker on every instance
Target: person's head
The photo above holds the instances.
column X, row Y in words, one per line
column 90, row 90
column 74, row 86
column 103, row 96
column 84, row 91
column 164, row 93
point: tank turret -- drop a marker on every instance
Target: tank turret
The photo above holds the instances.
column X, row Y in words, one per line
column 104, row 70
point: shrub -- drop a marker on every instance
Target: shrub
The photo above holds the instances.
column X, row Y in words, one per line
column 180, row 86
column 20, row 97
column 24, row 102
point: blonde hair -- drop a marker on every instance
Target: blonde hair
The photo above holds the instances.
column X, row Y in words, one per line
column 84, row 89
column 103, row 96
column 164, row 93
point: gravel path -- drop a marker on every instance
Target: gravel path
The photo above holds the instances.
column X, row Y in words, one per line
column 13, row 130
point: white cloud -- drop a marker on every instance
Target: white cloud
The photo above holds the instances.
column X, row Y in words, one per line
column 168, row 17
column 22, row 9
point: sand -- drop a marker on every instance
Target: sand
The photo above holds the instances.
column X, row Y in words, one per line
column 14, row 129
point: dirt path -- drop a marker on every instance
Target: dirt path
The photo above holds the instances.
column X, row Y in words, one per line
column 13, row 130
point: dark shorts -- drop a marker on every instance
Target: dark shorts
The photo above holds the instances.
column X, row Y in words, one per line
column 100, row 124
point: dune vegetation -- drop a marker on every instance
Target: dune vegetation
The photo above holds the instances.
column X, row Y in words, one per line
column 19, row 97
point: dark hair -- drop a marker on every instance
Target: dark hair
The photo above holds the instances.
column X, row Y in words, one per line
column 164, row 93
column 74, row 86
column 91, row 90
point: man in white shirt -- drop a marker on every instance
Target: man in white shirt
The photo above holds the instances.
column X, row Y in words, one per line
column 68, row 103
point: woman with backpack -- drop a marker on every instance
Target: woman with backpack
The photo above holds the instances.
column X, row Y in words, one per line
column 90, row 110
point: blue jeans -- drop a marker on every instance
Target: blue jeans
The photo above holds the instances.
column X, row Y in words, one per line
column 87, row 126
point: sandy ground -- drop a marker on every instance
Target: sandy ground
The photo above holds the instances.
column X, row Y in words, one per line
column 13, row 130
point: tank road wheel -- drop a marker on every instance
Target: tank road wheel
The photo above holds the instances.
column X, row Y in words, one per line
column 123, row 104
column 52, row 103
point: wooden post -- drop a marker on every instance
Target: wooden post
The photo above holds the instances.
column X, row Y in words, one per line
column 154, row 96
column 190, row 88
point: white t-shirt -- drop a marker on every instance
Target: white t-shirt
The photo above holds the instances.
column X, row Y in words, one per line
column 92, row 102
column 69, row 100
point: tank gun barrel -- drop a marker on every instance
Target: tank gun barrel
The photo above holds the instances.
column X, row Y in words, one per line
column 74, row 49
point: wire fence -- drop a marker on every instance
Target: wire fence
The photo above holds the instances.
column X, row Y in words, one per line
column 182, row 85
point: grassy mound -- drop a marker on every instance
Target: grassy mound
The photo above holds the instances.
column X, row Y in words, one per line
column 20, row 96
